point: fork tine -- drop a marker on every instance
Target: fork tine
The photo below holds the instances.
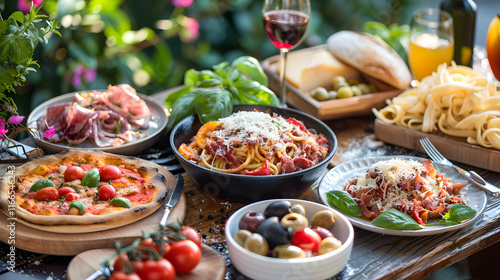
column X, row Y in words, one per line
column 433, row 153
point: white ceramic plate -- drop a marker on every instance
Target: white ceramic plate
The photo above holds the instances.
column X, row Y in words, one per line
column 157, row 124
column 338, row 176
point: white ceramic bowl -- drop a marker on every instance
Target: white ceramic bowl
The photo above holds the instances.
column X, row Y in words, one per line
column 318, row 267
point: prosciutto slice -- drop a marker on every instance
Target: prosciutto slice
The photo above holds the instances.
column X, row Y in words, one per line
column 108, row 118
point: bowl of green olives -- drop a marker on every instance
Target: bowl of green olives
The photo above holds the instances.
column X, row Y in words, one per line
column 288, row 238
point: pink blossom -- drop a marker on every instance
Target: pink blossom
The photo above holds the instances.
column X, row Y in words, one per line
column 192, row 30
column 49, row 132
column 90, row 75
column 3, row 130
column 25, row 5
column 2, row 122
column 182, row 3
column 15, row 119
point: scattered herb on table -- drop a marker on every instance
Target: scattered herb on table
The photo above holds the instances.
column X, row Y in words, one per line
column 344, row 202
column 212, row 94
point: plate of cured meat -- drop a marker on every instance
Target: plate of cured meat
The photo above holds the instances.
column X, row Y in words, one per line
column 117, row 120
column 415, row 186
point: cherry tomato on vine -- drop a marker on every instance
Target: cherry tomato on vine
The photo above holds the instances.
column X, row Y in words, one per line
column 184, row 255
column 110, row 172
column 156, row 270
column 73, row 173
column 106, row 192
column 120, row 263
column 191, row 234
column 47, row 194
column 307, row 239
column 120, row 275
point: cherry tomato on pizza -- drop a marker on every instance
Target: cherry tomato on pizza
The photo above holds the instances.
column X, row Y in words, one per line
column 65, row 190
column 72, row 196
column 184, row 255
column 110, row 172
column 106, row 192
column 47, row 194
column 73, row 173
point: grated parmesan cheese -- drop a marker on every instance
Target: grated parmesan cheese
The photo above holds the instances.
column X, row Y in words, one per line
column 257, row 127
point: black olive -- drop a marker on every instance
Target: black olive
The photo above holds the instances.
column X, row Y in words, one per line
column 278, row 209
column 272, row 231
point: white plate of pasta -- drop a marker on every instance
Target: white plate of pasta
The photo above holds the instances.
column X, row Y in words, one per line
column 337, row 179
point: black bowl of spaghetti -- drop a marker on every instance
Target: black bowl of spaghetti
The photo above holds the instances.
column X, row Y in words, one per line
column 250, row 170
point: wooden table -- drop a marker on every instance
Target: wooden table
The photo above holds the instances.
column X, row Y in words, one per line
column 374, row 256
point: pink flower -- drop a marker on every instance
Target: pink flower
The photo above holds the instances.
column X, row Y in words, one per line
column 192, row 30
column 90, row 75
column 182, row 3
column 3, row 130
column 15, row 119
column 81, row 73
column 25, row 5
column 49, row 132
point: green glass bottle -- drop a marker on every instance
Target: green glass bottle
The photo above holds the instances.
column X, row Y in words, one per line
column 464, row 26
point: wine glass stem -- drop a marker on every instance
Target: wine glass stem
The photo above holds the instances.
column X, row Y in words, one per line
column 283, row 55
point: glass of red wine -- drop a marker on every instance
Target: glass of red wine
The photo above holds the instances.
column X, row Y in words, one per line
column 286, row 23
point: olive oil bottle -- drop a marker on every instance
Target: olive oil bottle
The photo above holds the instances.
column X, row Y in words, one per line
column 464, row 26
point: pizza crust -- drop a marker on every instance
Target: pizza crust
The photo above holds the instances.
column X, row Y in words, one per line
column 152, row 172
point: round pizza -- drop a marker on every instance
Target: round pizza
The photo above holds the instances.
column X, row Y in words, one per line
column 83, row 187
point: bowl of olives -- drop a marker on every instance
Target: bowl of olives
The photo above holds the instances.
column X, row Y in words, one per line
column 288, row 238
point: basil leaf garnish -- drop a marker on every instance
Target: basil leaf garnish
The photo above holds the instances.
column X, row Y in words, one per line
column 344, row 202
column 394, row 219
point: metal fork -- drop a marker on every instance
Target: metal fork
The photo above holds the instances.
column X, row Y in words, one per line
column 472, row 176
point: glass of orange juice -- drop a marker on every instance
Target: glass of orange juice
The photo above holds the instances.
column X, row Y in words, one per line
column 493, row 47
column 431, row 41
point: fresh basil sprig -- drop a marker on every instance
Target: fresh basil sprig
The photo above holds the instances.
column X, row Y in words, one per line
column 394, row 219
column 344, row 202
column 212, row 94
column 458, row 213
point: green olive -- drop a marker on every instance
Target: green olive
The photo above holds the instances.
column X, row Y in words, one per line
column 364, row 88
column 353, row 82
column 340, row 85
column 287, row 251
column 328, row 245
column 338, row 80
column 332, row 94
column 298, row 208
column 257, row 244
column 356, row 91
column 373, row 88
column 323, row 218
column 242, row 235
column 295, row 221
column 344, row 92
column 319, row 94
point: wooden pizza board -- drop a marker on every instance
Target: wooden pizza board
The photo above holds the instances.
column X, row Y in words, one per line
column 211, row 266
column 70, row 244
column 454, row 148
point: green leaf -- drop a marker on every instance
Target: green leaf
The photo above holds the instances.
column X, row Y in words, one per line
column 459, row 212
column 79, row 205
column 91, row 178
column 251, row 67
column 23, row 49
column 40, row 184
column 193, row 77
column 172, row 98
column 17, row 15
column 5, row 77
column 344, row 202
column 251, row 92
column 210, row 105
column 120, row 201
column 184, row 106
column 394, row 219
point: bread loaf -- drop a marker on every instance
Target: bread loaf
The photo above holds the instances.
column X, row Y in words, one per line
column 371, row 56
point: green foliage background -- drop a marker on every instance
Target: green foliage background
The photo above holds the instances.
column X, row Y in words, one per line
column 94, row 34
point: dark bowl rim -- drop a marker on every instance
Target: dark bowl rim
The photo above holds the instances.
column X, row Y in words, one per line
column 326, row 160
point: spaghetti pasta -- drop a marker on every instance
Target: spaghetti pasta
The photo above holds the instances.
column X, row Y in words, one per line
column 454, row 100
column 255, row 143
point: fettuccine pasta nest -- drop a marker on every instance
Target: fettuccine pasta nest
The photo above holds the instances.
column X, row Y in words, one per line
column 454, row 100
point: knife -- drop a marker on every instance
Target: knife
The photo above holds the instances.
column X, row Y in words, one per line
column 172, row 200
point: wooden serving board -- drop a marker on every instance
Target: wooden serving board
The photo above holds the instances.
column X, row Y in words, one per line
column 211, row 266
column 70, row 244
column 454, row 148
column 329, row 109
